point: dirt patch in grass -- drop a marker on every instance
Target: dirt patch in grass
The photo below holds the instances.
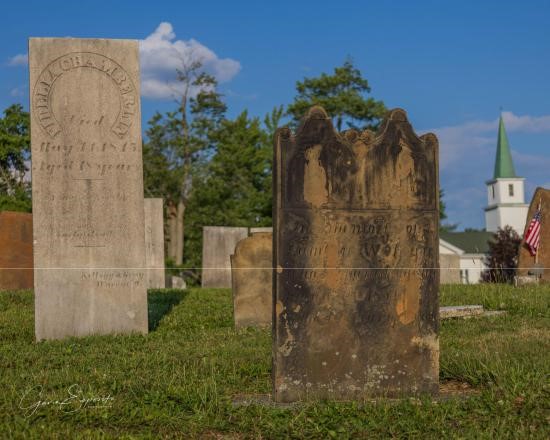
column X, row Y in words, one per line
column 455, row 388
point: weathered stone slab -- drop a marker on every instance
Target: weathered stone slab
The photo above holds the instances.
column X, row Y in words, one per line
column 154, row 243
column 87, row 183
column 252, row 280
column 467, row 312
column 218, row 243
column 460, row 311
column 356, row 258
column 16, row 262
column 526, row 262
column 493, row 313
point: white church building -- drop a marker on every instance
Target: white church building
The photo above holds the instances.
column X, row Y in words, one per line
column 505, row 192
column 505, row 206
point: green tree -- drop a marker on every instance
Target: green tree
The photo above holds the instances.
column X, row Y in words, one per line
column 342, row 95
column 502, row 258
column 178, row 145
column 15, row 190
column 161, row 162
column 272, row 121
column 236, row 187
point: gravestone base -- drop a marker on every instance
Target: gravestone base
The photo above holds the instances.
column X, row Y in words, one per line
column 448, row 390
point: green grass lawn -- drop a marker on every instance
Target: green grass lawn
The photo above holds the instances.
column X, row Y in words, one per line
column 179, row 380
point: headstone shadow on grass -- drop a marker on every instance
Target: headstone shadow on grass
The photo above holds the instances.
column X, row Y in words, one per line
column 160, row 302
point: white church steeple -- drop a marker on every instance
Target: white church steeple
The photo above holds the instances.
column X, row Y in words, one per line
column 505, row 191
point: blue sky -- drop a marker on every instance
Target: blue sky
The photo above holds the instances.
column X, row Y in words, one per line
column 451, row 65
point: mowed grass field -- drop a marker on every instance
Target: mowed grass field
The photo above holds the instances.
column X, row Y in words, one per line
column 179, row 381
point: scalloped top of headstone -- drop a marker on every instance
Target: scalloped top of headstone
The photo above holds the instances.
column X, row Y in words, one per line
column 391, row 168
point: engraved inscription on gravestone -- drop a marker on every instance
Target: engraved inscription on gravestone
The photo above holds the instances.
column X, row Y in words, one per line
column 87, row 183
column 355, row 258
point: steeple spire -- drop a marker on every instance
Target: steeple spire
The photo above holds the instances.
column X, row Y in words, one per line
column 504, row 167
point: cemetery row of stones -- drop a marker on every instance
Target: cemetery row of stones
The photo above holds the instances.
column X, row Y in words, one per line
column 351, row 265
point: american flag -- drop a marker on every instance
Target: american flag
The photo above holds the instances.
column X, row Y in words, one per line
column 532, row 236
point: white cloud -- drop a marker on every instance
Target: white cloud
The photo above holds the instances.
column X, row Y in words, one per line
column 161, row 54
column 531, row 160
column 526, row 123
column 21, row 59
column 18, row 92
column 456, row 142
column 246, row 97
column 475, row 137
column 467, row 153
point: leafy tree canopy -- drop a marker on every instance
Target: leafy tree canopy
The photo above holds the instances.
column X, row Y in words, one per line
column 15, row 191
column 342, row 95
column 235, row 189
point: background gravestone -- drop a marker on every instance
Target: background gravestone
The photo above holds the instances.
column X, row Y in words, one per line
column 87, row 187
column 218, row 243
column 16, row 262
column 449, row 269
column 261, row 229
column 252, row 280
column 154, row 243
column 356, row 261
column 526, row 262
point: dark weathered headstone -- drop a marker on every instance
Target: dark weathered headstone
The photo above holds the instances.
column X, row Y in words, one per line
column 538, row 267
column 356, row 261
column 16, row 262
column 252, row 280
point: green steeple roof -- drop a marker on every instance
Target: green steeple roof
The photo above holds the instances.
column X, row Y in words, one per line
column 504, row 167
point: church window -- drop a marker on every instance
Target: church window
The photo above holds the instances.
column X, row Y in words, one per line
column 493, row 189
column 510, row 189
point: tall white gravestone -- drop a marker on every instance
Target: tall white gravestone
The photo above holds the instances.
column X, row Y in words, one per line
column 87, row 187
column 154, row 243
